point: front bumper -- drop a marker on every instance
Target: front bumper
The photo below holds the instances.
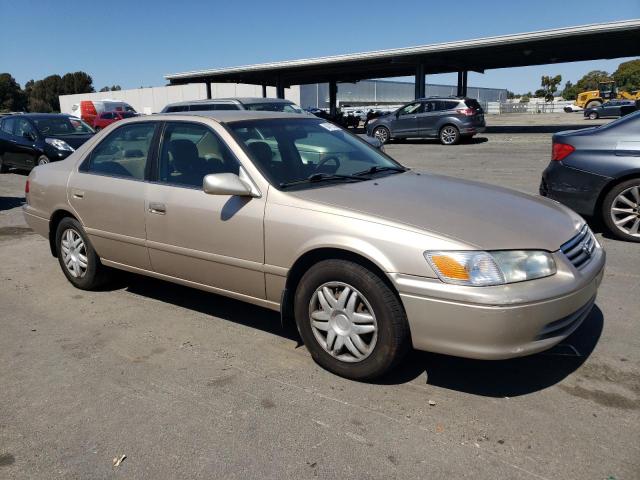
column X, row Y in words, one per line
column 500, row 322
column 577, row 189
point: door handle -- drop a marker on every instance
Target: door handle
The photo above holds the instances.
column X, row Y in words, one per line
column 157, row 208
column 79, row 194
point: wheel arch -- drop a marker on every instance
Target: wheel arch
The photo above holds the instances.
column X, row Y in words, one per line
column 610, row 185
column 315, row 255
column 54, row 221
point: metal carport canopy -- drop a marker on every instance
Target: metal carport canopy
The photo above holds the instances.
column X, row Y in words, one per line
column 586, row 42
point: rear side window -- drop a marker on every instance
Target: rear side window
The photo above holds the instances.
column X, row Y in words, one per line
column 124, row 152
column 227, row 106
column 177, row 108
column 203, row 107
column 7, row 125
column 450, row 105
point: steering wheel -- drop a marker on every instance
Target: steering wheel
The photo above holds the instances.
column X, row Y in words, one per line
column 322, row 162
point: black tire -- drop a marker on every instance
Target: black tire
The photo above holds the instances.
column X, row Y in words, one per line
column 393, row 332
column 609, row 202
column 96, row 274
column 593, row 116
column 384, row 135
column 43, row 160
column 449, row 135
column 97, row 129
column 4, row 168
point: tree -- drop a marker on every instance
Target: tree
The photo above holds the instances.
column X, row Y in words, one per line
column 76, row 82
column 627, row 76
column 540, row 93
column 510, row 94
column 43, row 96
column 12, row 97
column 549, row 86
column 104, row 89
column 570, row 91
column 112, row 88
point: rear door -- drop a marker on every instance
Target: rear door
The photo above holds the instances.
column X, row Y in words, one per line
column 108, row 193
column 429, row 118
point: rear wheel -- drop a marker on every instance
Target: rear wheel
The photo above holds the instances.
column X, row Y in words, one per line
column 350, row 320
column 382, row 133
column 449, row 135
column 593, row 116
column 621, row 210
column 79, row 261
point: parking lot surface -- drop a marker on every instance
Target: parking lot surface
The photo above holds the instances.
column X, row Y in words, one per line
column 188, row 384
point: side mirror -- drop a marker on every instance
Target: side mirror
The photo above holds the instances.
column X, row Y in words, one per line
column 226, row 184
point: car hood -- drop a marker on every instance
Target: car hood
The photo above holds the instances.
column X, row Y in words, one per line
column 479, row 215
column 74, row 140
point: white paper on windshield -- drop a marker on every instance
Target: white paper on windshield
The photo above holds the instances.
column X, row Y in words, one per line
column 330, row 126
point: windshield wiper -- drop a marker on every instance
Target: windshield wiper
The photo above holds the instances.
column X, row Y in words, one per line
column 319, row 177
column 377, row 168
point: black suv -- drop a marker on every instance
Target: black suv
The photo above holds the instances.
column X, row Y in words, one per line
column 446, row 118
column 31, row 139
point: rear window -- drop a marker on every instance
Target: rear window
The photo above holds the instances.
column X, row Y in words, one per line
column 472, row 103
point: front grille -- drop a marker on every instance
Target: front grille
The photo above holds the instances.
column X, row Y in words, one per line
column 566, row 325
column 580, row 248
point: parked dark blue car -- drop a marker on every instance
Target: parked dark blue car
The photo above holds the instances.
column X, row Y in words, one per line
column 596, row 172
column 31, row 139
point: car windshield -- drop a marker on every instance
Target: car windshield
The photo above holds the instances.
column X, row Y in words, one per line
column 309, row 151
column 274, row 107
column 62, row 126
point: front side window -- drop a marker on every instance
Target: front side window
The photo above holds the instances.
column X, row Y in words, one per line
column 189, row 152
column 124, row 152
column 291, row 150
column 411, row 109
column 24, row 129
column 60, row 125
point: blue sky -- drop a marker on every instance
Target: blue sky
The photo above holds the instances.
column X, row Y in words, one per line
column 134, row 43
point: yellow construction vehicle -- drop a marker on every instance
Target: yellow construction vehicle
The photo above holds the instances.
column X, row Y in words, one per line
column 606, row 91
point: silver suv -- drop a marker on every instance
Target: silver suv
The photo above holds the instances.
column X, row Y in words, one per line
column 446, row 118
column 246, row 103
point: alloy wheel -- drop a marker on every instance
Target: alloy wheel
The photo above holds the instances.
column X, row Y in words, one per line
column 74, row 253
column 625, row 211
column 381, row 134
column 343, row 322
column 449, row 135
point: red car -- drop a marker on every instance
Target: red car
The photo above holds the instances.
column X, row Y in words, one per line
column 105, row 119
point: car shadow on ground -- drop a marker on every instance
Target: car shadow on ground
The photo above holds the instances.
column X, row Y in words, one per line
column 7, row 203
column 503, row 378
column 500, row 378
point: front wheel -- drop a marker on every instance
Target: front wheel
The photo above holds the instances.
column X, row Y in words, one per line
column 621, row 210
column 350, row 320
column 79, row 261
column 593, row 116
column 43, row 160
column 449, row 135
column 383, row 134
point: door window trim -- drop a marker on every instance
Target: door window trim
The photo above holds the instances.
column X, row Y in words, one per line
column 86, row 162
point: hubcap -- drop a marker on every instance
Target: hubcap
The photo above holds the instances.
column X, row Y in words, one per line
column 625, row 211
column 43, row 161
column 381, row 134
column 449, row 135
column 343, row 322
column 74, row 253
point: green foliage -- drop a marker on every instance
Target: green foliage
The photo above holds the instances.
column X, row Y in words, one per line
column 627, row 76
column 12, row 98
column 524, row 99
column 112, row 88
column 570, row 91
column 549, row 86
column 540, row 93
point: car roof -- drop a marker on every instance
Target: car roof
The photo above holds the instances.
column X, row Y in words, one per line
column 40, row 115
column 226, row 116
column 236, row 100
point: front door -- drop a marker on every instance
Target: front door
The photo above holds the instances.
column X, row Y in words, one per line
column 406, row 122
column 212, row 240
column 429, row 118
column 25, row 150
column 108, row 193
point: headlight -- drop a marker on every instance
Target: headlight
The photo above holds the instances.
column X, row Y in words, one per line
column 59, row 144
column 491, row 268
